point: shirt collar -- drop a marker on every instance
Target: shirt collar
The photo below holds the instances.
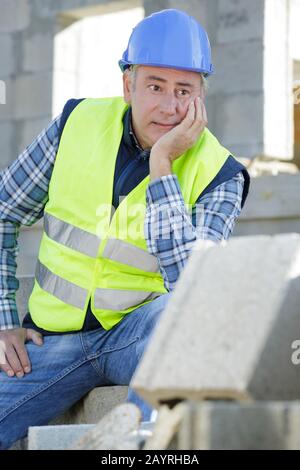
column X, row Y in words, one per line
column 130, row 138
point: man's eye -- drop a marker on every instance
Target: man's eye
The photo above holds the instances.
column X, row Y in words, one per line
column 183, row 92
column 154, row 87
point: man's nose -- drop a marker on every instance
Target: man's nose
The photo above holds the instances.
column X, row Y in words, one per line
column 169, row 104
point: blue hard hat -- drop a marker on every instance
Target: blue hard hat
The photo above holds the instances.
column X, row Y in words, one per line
column 169, row 38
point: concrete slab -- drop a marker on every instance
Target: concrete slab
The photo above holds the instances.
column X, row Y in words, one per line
column 228, row 330
column 55, row 437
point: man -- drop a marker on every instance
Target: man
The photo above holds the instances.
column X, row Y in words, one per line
column 102, row 282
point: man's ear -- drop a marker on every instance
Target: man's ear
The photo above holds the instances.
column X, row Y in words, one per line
column 202, row 93
column 127, row 87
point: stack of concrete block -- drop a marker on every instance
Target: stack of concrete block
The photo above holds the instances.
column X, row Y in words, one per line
column 218, row 425
column 231, row 329
column 272, row 206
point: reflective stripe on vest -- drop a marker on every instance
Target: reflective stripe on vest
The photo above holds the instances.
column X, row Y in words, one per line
column 61, row 288
column 123, row 252
column 116, row 299
column 66, row 291
column 71, row 236
column 87, row 243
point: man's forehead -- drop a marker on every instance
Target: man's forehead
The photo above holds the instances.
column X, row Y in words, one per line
column 164, row 74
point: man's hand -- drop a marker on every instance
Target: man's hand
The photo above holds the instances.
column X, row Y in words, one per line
column 177, row 141
column 13, row 354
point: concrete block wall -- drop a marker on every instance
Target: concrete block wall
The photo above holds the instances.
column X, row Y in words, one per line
column 234, row 426
column 240, row 102
column 240, row 96
column 248, row 39
column 27, row 32
column 272, row 206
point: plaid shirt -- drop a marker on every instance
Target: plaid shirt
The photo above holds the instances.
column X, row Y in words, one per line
column 170, row 228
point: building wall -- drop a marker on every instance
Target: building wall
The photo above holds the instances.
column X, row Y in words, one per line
column 250, row 107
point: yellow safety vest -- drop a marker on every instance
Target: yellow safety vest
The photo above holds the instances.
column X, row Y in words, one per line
column 89, row 252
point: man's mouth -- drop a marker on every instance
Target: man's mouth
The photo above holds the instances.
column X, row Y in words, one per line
column 166, row 126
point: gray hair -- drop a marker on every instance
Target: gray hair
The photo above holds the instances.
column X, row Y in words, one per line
column 132, row 71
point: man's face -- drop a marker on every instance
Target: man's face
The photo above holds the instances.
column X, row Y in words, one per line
column 159, row 99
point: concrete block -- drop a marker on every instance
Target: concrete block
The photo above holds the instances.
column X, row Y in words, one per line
column 33, row 95
column 204, row 11
column 266, row 227
column 248, row 150
column 273, row 197
column 38, row 52
column 94, row 406
column 6, row 99
column 25, row 287
column 113, row 430
column 7, row 56
column 239, row 20
column 150, row 6
column 272, row 206
column 15, row 15
column 235, row 426
column 64, row 437
column 30, row 129
column 6, row 137
column 55, row 437
column 239, row 67
column 228, row 330
column 240, row 119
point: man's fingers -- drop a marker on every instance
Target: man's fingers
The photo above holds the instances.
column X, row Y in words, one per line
column 23, row 357
column 201, row 117
column 204, row 113
column 187, row 122
column 34, row 336
column 7, row 369
column 13, row 361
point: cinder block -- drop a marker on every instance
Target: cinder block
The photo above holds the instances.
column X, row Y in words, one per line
column 7, row 56
column 230, row 77
column 6, row 136
column 55, row 437
column 228, row 330
column 94, row 406
column 240, row 119
column 33, row 95
column 248, row 150
column 30, row 129
column 235, row 426
column 272, row 206
column 6, row 99
column 25, row 287
column 38, row 52
column 15, row 15
column 204, row 11
column 239, row 20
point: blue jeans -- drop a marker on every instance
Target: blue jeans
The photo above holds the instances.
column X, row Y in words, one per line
column 68, row 366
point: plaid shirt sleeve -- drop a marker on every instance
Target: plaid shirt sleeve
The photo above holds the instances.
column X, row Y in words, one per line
column 171, row 228
column 23, row 195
